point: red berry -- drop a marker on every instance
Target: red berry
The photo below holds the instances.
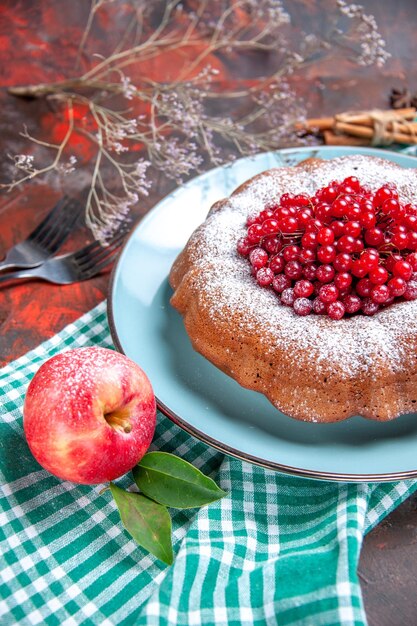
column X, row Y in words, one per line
column 310, row 271
column 255, row 233
column 301, row 200
column 397, row 286
column 288, row 225
column 270, row 226
column 293, row 270
column 302, row 306
column 326, row 254
column 400, row 240
column 314, row 226
column 277, row 263
column 359, row 268
column 342, row 262
column 329, row 193
column 391, row 261
column 325, row 236
column 378, row 275
column 288, row 297
column 282, row 212
column 343, row 280
column 304, row 216
column 412, row 260
column 307, row 255
column 411, row 290
column 346, row 244
column 353, row 182
column 363, row 287
column 403, row 269
column 336, row 310
column 243, row 246
column 380, row 293
column 369, row 307
column 264, row 276
column 272, row 245
column 258, row 258
column 340, row 206
column 291, row 253
column 352, row 303
column 353, row 229
column 367, row 219
column 322, row 211
column 325, row 273
column 281, row 282
column 370, row 258
column 319, row 307
column 411, row 222
column 410, row 209
column 354, row 212
column 286, row 199
column 266, row 214
column 329, row 293
column 412, row 240
column 374, row 237
column 303, row 288
column 337, row 227
column 359, row 245
column 383, row 194
column 309, row 240
column 252, row 219
column 392, row 208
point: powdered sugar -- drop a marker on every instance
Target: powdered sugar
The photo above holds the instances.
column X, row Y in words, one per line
column 360, row 343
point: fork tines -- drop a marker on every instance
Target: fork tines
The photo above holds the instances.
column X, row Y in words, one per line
column 54, row 229
column 96, row 255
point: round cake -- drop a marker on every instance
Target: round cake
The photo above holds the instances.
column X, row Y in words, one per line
column 313, row 367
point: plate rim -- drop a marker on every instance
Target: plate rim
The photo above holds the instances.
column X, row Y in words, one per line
column 192, row 430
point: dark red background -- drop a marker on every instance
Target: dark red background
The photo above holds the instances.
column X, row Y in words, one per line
column 39, row 42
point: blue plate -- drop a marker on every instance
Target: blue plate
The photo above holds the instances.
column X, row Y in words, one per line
column 200, row 398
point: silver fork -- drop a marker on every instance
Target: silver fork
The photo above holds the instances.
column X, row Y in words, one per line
column 47, row 238
column 76, row 266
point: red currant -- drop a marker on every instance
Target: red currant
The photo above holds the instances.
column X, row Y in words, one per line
column 302, row 306
column 264, row 276
column 303, row 288
column 336, row 310
column 288, row 297
column 293, row 270
column 402, row 269
column 329, row 293
column 325, row 273
column 352, row 303
column 378, row 276
column 281, row 282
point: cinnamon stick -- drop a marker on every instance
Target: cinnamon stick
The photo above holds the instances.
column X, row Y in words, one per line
column 368, row 133
column 333, row 139
column 363, row 119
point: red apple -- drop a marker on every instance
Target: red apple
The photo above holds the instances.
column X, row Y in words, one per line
column 89, row 415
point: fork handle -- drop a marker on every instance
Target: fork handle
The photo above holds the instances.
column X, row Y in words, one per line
column 18, row 274
column 4, row 265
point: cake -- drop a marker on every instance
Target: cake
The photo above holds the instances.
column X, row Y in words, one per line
column 312, row 367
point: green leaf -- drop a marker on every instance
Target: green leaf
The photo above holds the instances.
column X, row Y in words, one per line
column 149, row 523
column 171, row 481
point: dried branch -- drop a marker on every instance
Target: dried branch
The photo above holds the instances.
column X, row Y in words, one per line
column 179, row 124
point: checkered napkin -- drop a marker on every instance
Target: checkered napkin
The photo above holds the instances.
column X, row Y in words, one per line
column 277, row 550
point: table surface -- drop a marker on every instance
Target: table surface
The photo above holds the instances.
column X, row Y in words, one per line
column 31, row 312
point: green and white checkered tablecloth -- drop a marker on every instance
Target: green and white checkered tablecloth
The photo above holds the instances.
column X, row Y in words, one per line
column 277, row 550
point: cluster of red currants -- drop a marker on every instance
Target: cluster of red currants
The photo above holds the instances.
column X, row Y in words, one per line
column 345, row 250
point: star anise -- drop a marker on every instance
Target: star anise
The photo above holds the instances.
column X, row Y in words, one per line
column 402, row 98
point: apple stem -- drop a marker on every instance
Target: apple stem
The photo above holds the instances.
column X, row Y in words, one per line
column 118, row 421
